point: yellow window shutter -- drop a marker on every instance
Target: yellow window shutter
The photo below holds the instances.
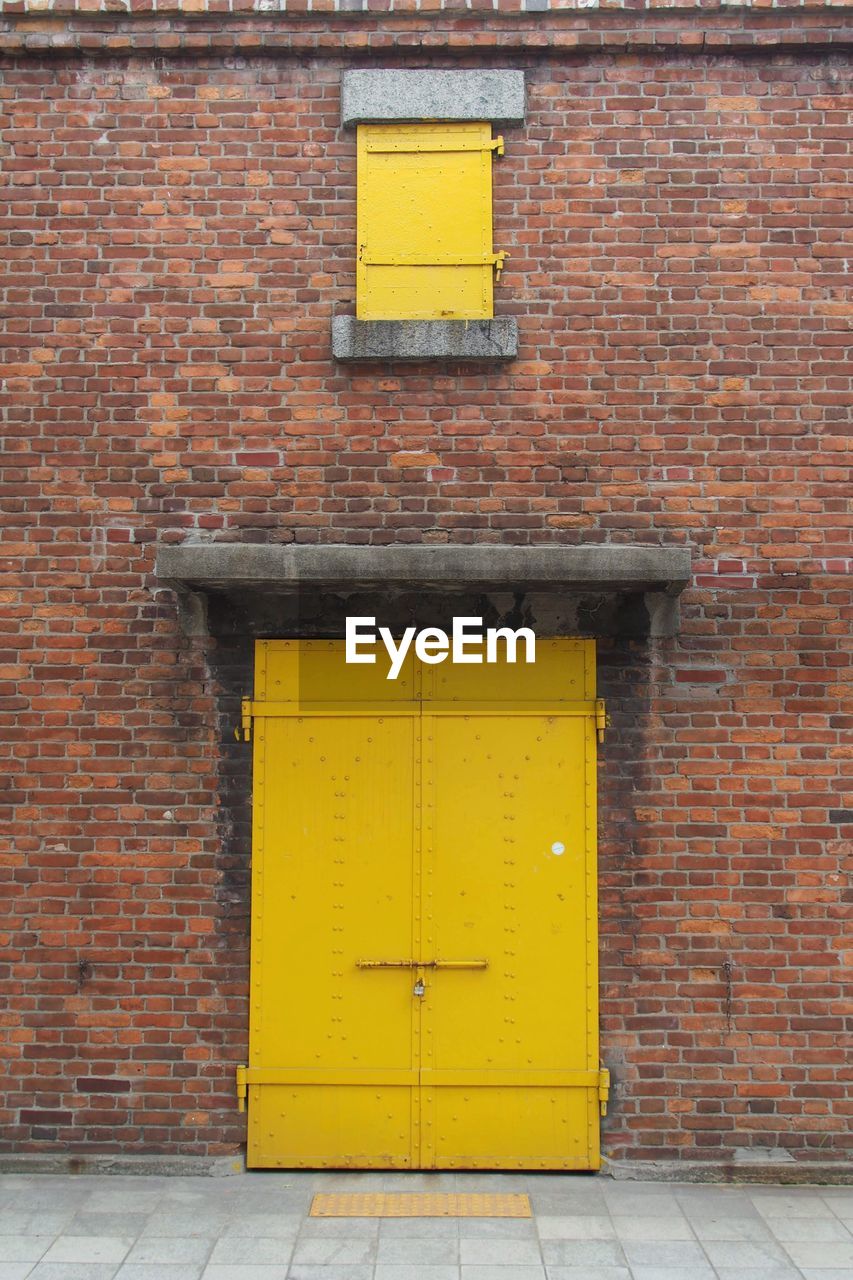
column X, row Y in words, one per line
column 425, row 222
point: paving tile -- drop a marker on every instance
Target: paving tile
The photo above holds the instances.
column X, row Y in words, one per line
column 285, row 1225
column 15, row 1270
column 588, row 1273
column 664, row 1253
column 352, row 1228
column 725, row 1228
column 631, row 1203
column 776, row 1271
column 651, row 1227
column 495, row 1272
column 89, row 1249
column 434, row 1183
column 701, row 1210
column 334, row 1250
column 773, row 1203
column 568, row 1204
column 287, row 1203
column 826, row 1229
column 24, row 1248
column 501, row 1183
column 582, row 1253
column 73, row 1271
column 224, row 1271
column 703, row 1272
column 364, row 1181
column 420, row 1252
column 640, row 1186
column 105, row 1197
column 412, row 1271
column 86, row 1223
column 840, row 1199
column 708, row 1191
column 480, row 1250
column 34, row 1224
column 575, row 1228
column 815, row 1253
column 64, row 1196
column 151, row 1249
column 159, row 1271
column 813, row 1273
column 569, row 1181
column 421, row 1228
column 186, row 1223
column 498, row 1228
column 746, row 1253
column 260, row 1250
column 306, row 1271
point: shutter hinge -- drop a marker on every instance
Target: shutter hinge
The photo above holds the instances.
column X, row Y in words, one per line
column 602, row 719
column 497, row 145
column 242, row 1088
column 498, row 260
column 603, row 1089
column 244, row 733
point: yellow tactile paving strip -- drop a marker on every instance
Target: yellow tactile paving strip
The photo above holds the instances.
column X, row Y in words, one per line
column 413, row 1204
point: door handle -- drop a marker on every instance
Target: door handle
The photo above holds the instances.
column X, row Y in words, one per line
column 421, row 964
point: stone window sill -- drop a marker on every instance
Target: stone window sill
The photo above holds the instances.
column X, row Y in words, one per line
column 483, row 341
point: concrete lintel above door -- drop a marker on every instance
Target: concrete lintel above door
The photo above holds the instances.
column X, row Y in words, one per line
column 229, row 566
column 308, row 590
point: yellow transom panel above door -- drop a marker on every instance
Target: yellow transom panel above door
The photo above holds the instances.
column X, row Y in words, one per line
column 424, row 921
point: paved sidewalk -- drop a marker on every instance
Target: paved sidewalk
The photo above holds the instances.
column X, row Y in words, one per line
column 254, row 1227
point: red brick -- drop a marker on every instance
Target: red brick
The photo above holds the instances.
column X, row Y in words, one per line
column 180, row 228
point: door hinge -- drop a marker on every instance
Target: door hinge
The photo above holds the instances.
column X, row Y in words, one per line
column 244, row 732
column 499, row 259
column 602, row 719
column 497, row 145
column 242, row 1088
column 603, row 1089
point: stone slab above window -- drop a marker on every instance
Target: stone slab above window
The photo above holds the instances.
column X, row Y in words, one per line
column 398, row 96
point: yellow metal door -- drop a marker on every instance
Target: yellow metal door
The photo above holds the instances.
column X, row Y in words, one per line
column 510, row 1071
column 424, row 931
column 332, row 1047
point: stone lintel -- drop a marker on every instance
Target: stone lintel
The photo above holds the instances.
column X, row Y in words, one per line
column 413, row 340
column 396, row 96
column 228, row 566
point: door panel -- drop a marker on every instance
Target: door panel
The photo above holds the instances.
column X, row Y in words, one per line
column 487, row 1127
column 332, row 885
column 425, row 829
column 507, row 879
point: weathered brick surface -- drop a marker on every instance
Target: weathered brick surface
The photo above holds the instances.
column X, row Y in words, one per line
column 176, row 238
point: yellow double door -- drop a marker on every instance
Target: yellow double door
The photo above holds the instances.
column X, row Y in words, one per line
column 424, row 923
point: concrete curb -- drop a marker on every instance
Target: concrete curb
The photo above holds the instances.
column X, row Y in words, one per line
column 134, row 1165
column 769, row 1172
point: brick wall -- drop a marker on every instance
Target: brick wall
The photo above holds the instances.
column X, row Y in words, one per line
column 179, row 233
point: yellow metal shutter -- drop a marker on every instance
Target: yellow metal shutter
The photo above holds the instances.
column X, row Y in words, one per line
column 425, row 222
